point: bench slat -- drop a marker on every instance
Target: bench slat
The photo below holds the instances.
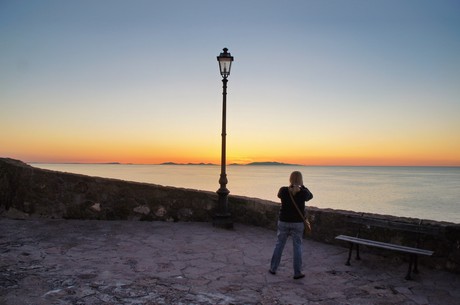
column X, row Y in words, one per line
column 388, row 246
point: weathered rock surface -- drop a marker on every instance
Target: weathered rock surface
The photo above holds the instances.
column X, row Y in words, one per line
column 45, row 262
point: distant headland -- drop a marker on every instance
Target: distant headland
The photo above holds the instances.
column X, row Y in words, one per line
column 174, row 163
column 272, row 163
column 266, row 163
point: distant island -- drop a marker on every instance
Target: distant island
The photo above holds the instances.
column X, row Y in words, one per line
column 97, row 163
column 270, row 163
column 267, row 163
column 174, row 163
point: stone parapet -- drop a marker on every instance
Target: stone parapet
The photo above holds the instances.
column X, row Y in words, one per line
column 27, row 192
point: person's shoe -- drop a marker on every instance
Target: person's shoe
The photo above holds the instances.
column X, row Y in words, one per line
column 299, row 276
column 272, row 272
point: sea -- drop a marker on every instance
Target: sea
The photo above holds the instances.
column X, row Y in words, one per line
column 431, row 193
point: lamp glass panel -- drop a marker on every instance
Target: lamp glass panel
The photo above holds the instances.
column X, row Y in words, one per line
column 225, row 64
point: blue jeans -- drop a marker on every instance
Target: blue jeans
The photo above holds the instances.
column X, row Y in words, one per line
column 286, row 229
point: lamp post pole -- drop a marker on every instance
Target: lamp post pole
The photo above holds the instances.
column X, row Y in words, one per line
column 223, row 217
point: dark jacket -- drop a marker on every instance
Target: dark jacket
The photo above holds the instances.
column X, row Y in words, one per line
column 288, row 212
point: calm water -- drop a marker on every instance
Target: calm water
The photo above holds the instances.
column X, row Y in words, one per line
column 419, row 192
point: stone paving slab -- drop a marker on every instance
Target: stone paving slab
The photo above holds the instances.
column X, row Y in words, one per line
column 126, row 262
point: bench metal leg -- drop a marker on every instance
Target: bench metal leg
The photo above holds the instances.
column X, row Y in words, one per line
column 412, row 262
column 349, row 254
column 415, row 270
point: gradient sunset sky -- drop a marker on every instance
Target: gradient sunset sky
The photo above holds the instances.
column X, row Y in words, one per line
column 313, row 82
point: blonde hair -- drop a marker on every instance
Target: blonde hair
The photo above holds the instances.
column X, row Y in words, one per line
column 296, row 181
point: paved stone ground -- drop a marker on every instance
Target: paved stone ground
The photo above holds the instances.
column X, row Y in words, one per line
column 116, row 262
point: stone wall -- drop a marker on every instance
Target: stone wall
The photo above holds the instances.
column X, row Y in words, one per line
column 26, row 192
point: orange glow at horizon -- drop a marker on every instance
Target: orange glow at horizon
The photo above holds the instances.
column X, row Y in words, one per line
column 55, row 148
column 154, row 156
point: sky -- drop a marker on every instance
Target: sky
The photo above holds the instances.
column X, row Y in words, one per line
column 325, row 82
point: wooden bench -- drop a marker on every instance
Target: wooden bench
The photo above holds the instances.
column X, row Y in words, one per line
column 366, row 224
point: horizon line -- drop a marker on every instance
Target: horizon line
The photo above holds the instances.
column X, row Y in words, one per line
column 268, row 163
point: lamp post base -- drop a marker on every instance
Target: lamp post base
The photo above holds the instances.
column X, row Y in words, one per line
column 223, row 221
column 222, row 217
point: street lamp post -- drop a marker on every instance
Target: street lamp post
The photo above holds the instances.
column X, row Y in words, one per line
column 223, row 218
